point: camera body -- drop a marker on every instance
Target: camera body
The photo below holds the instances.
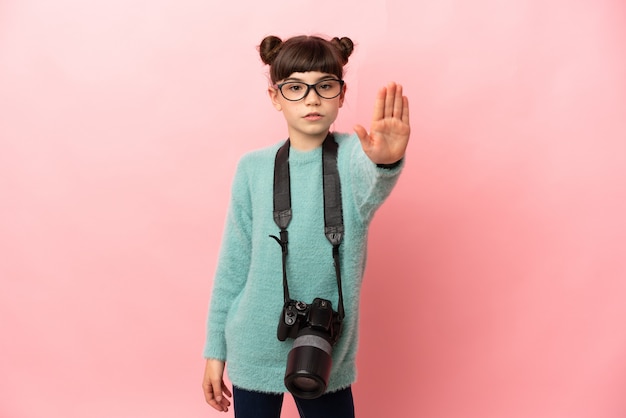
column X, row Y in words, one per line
column 315, row 329
column 319, row 316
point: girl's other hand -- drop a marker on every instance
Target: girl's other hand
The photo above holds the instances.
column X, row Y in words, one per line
column 213, row 387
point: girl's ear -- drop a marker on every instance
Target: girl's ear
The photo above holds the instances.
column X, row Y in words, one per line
column 342, row 96
column 273, row 93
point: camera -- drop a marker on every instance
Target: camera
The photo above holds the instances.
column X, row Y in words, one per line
column 315, row 328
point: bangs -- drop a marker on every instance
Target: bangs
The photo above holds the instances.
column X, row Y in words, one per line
column 306, row 54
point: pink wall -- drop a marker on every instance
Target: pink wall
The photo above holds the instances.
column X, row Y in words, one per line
column 496, row 286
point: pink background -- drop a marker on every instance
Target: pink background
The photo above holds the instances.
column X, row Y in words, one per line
column 496, row 286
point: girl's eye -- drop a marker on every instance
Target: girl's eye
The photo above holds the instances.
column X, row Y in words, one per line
column 294, row 87
column 328, row 85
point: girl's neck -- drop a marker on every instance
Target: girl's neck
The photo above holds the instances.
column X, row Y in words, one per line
column 307, row 142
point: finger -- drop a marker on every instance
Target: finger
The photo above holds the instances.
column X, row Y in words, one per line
column 405, row 110
column 225, row 390
column 379, row 104
column 217, row 390
column 208, row 395
column 213, row 394
column 225, row 403
column 389, row 100
column 210, row 399
column 398, row 102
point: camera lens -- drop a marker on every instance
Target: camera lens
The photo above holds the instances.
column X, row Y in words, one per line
column 305, row 384
column 308, row 364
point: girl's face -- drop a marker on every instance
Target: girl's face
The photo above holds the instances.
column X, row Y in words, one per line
column 308, row 118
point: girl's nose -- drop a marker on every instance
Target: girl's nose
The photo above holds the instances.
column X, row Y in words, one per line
column 312, row 96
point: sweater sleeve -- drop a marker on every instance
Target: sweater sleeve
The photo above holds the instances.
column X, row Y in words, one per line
column 371, row 184
column 232, row 266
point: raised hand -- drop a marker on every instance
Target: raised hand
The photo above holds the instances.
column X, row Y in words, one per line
column 390, row 129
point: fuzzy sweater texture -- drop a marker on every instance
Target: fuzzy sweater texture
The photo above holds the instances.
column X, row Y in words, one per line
column 247, row 296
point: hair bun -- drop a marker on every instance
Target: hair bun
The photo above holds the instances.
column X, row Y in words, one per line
column 345, row 46
column 269, row 48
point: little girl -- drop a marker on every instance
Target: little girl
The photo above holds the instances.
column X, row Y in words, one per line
column 260, row 286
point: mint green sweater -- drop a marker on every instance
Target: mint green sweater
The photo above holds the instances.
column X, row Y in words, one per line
column 247, row 296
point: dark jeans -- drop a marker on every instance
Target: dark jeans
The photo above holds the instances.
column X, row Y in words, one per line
column 250, row 404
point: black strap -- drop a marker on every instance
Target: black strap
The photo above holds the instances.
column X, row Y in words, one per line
column 282, row 187
column 333, row 214
column 282, row 206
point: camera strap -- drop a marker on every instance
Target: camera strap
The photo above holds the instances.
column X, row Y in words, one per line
column 333, row 214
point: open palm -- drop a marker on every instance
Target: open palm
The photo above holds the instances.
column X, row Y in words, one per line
column 389, row 132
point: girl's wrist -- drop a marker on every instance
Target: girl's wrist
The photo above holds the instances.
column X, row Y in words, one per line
column 390, row 166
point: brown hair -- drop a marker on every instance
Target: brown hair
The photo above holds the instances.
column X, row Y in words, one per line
column 305, row 53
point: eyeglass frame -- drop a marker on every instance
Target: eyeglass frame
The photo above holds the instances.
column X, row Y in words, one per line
column 308, row 88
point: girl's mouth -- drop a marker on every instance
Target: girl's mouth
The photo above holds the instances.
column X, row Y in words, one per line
column 313, row 116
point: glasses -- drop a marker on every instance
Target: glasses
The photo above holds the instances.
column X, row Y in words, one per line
column 297, row 90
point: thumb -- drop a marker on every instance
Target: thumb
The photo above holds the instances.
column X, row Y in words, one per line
column 361, row 133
